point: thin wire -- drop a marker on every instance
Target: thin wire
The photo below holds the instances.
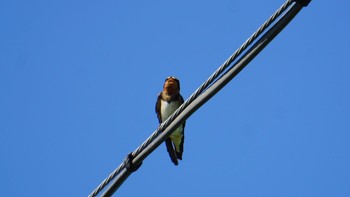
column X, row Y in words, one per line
column 215, row 75
column 200, row 90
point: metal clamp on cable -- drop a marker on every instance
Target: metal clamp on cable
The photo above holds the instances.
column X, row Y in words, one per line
column 129, row 165
column 303, row 2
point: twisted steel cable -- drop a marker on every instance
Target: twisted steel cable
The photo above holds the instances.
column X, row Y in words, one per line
column 199, row 91
column 214, row 76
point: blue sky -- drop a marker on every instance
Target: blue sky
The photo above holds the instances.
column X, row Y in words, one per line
column 79, row 80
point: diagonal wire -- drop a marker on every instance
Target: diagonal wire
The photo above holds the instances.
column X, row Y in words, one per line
column 214, row 76
column 200, row 90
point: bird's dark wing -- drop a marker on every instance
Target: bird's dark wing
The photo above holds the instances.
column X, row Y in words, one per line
column 158, row 108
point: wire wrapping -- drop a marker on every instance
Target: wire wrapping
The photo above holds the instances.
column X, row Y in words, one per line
column 199, row 91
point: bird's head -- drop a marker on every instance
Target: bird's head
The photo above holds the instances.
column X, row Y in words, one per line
column 171, row 86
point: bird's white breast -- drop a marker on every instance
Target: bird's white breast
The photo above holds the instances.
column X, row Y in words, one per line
column 167, row 108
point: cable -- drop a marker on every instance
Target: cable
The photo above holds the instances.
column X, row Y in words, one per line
column 160, row 133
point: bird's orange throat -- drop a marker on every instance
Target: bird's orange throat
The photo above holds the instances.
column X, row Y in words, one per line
column 171, row 88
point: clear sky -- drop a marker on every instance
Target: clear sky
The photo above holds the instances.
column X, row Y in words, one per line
column 79, row 80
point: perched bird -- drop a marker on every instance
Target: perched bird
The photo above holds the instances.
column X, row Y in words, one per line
column 169, row 99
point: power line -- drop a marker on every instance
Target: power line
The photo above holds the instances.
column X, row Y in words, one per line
column 203, row 94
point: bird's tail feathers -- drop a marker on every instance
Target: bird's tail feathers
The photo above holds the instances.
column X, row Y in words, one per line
column 171, row 151
column 179, row 155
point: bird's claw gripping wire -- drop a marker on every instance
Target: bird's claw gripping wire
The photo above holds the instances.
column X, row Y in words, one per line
column 129, row 165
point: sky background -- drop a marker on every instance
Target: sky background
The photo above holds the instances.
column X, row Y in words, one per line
column 79, row 81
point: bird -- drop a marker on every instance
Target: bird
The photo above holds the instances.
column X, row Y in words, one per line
column 169, row 99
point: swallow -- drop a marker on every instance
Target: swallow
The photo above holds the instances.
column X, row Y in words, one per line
column 169, row 99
